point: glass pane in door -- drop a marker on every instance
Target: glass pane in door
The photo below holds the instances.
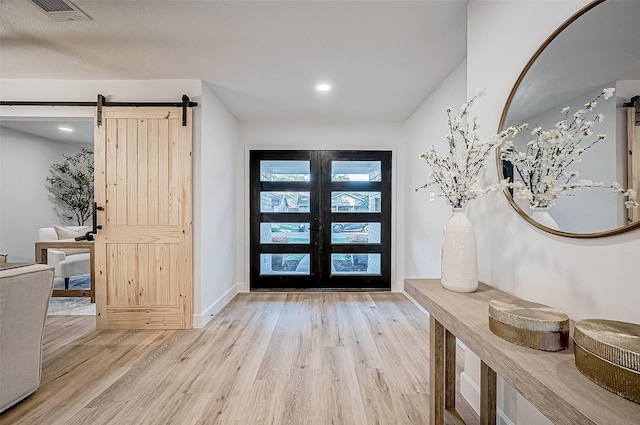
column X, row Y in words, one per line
column 356, row 202
column 289, row 264
column 284, row 201
column 356, row 171
column 355, row 233
column 284, row 171
column 361, row 264
column 283, row 233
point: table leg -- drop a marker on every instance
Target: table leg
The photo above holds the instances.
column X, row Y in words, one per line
column 41, row 256
column 436, row 372
column 450, row 370
column 488, row 390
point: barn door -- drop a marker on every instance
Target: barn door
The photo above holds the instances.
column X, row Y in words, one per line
column 143, row 192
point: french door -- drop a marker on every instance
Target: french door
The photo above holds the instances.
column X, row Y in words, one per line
column 320, row 220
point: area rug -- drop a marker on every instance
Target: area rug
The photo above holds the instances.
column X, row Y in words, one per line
column 72, row 306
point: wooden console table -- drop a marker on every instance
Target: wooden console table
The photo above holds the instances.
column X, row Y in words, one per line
column 549, row 381
column 41, row 257
column 7, row 266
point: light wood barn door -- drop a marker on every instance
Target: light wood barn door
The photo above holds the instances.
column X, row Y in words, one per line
column 144, row 249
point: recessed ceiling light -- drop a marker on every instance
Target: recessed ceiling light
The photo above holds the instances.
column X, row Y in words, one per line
column 323, row 87
column 65, row 129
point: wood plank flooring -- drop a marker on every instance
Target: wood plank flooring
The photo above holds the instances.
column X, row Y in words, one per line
column 267, row 358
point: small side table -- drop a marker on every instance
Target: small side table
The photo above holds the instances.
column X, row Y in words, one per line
column 41, row 257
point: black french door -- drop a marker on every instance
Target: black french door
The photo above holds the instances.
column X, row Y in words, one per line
column 320, row 220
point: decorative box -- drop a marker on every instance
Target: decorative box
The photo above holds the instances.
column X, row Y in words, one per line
column 608, row 353
column 529, row 324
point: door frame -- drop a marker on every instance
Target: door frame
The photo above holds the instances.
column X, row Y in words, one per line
column 246, row 225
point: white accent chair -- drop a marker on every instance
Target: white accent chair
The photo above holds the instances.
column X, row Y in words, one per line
column 24, row 300
column 67, row 262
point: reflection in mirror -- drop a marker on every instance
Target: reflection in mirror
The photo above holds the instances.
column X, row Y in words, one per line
column 597, row 48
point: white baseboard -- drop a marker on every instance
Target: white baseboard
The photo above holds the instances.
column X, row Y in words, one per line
column 501, row 419
column 470, row 391
column 397, row 287
column 201, row 320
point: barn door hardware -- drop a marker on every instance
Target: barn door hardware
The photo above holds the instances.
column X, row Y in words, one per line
column 102, row 102
column 634, row 102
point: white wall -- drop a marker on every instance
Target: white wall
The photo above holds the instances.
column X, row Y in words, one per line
column 24, row 166
column 314, row 137
column 214, row 218
column 425, row 216
column 218, row 131
column 594, row 278
column 582, row 277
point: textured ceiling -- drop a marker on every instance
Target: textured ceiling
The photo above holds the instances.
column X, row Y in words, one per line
column 262, row 58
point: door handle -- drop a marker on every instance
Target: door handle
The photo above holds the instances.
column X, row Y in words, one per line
column 96, row 226
column 89, row 235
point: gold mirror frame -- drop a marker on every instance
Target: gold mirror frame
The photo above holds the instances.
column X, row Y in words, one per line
column 503, row 118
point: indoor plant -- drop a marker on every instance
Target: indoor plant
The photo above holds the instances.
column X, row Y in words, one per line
column 456, row 174
column 71, row 186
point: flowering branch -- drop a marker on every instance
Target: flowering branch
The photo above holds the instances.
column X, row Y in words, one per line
column 456, row 173
column 543, row 168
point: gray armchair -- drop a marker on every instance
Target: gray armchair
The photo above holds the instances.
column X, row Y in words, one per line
column 24, row 300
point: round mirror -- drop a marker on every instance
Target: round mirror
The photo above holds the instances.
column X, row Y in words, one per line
column 596, row 49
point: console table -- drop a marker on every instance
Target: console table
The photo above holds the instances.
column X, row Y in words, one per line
column 41, row 257
column 7, row 266
column 549, row 381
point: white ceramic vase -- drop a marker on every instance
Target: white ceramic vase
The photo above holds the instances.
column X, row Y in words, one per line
column 541, row 215
column 459, row 254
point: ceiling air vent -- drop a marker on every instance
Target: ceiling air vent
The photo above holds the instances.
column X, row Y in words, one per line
column 61, row 10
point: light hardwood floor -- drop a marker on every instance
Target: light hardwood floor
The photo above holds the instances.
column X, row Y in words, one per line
column 267, row 358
